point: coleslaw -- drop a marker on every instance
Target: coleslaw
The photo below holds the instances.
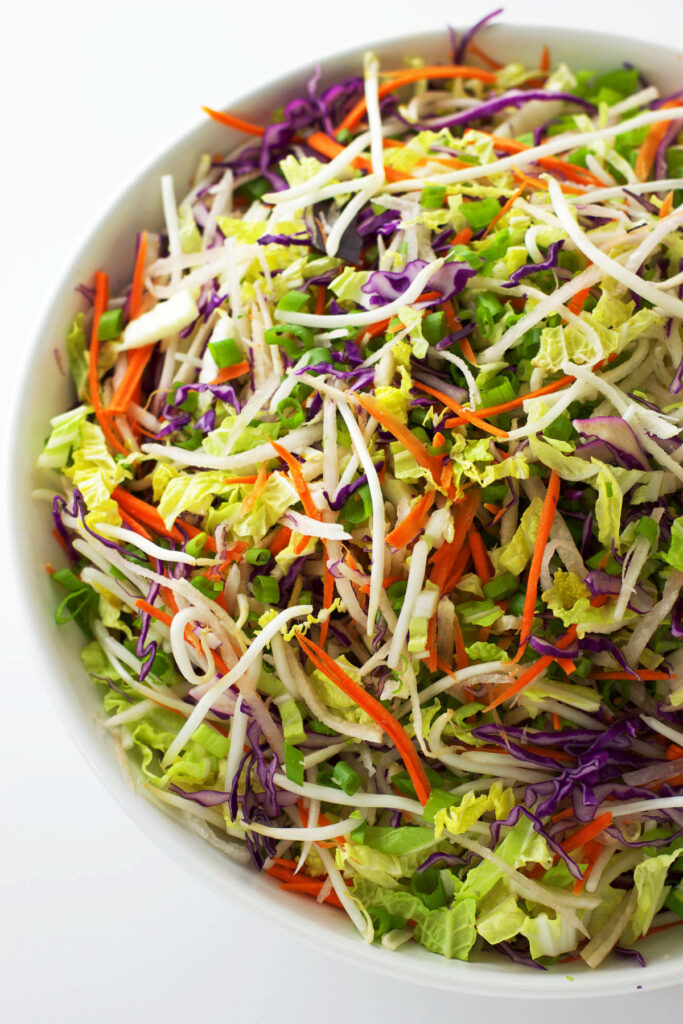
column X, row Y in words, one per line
column 371, row 504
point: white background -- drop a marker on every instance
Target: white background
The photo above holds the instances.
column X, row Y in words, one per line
column 97, row 924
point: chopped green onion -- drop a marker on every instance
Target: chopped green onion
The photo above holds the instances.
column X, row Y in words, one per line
column 266, row 589
column 433, row 196
column 498, row 390
column 434, row 327
column 206, row 587
column 293, row 338
column 487, row 309
column 293, row 302
column 110, row 325
column 290, row 412
column 257, row 556
column 358, row 508
column 195, row 546
column 346, row 777
column 480, row 212
column 225, row 352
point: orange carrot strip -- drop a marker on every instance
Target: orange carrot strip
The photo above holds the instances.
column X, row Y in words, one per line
column 146, row 514
column 514, row 403
column 587, row 832
column 139, row 357
column 648, row 150
column 230, row 372
column 591, row 853
column 540, row 184
column 504, row 209
column 571, row 171
column 100, row 305
column 644, row 674
column 576, row 303
column 544, row 525
column 230, row 121
column 167, row 619
column 544, row 63
column 377, row 712
column 280, row 541
column 401, row 433
column 407, row 77
column 667, row 205
column 260, row 484
column 310, row 507
column 240, row 479
column 478, row 52
column 330, row 147
column 531, row 673
column 673, row 752
column 479, row 555
column 443, row 559
column 454, row 406
column 133, row 524
column 408, row 529
column 328, row 597
column 459, row 566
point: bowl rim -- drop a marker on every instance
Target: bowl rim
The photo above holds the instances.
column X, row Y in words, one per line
column 431, row 970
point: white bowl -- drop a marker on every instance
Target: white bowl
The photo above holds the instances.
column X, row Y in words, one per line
column 109, row 246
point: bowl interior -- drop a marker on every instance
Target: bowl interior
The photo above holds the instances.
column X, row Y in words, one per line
column 109, row 246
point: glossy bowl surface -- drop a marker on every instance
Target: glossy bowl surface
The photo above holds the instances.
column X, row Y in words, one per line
column 108, row 246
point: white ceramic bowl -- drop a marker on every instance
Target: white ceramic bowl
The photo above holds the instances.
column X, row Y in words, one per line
column 108, row 246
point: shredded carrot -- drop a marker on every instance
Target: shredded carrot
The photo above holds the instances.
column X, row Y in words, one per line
column 667, row 206
column 260, row 484
column 146, row 514
column 645, row 675
column 310, row 507
column 402, row 433
column 431, row 659
column 328, row 597
column 542, row 534
column 648, row 150
column 230, row 121
column 167, row 619
column 443, row 560
column 320, row 300
column 454, row 406
column 377, row 712
column 534, row 670
column 408, row 529
column 478, row 52
column 134, row 525
column 504, row 209
column 373, row 331
column 461, row 237
column 557, row 725
column 230, row 372
column 240, row 479
column 544, row 63
column 514, row 403
column 280, row 541
column 673, row 752
column 571, row 171
column 480, row 556
column 540, row 184
column 577, row 302
column 407, row 77
column 139, row 357
column 457, row 570
column 592, row 851
column 330, row 147
column 586, row 832
column 100, row 305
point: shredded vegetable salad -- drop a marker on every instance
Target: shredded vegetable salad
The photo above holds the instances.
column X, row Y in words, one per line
column 372, row 503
